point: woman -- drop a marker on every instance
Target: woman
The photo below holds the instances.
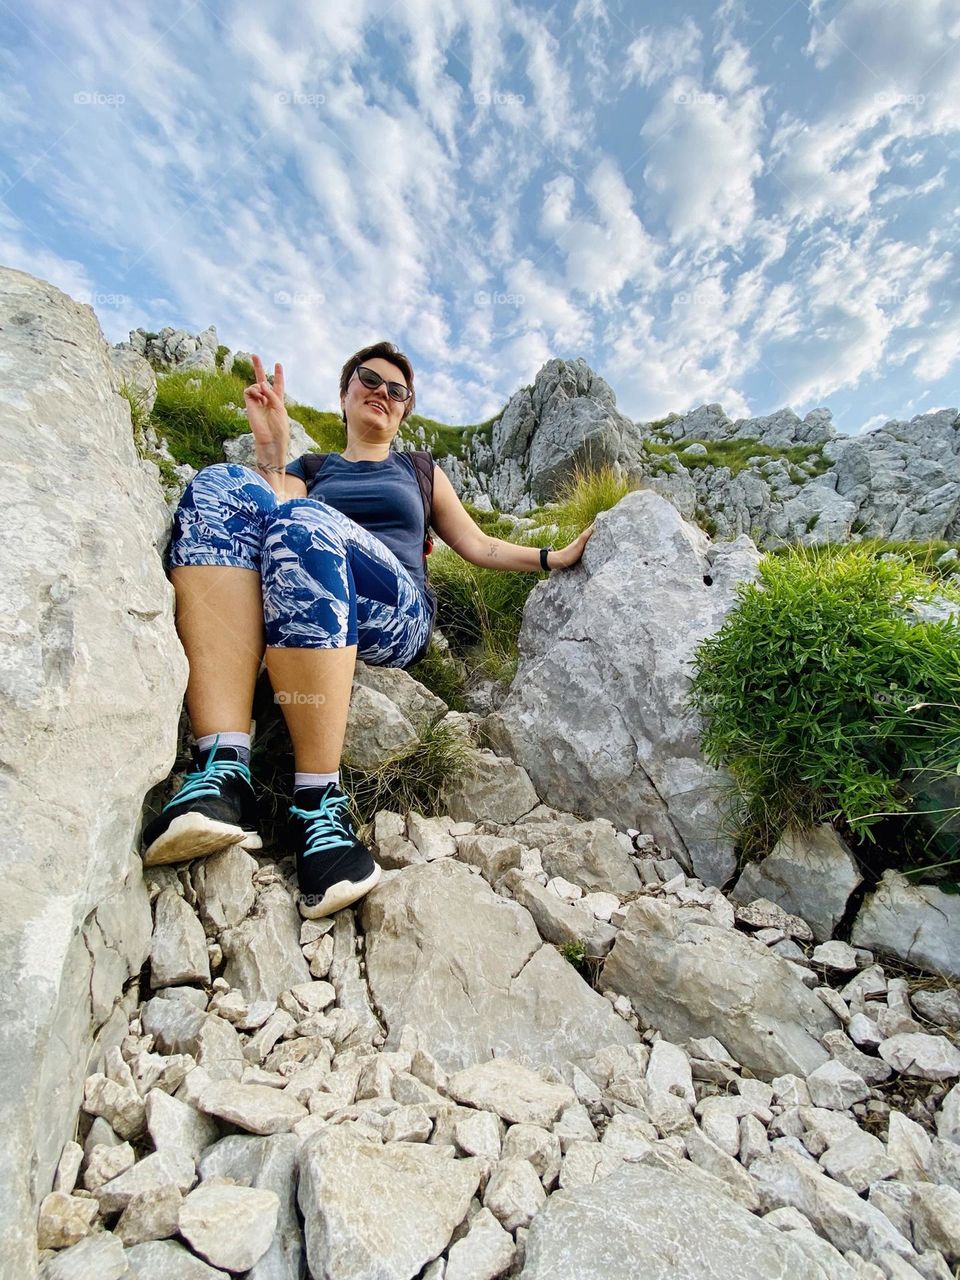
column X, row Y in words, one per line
column 257, row 563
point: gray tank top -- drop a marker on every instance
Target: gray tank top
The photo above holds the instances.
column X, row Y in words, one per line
column 383, row 497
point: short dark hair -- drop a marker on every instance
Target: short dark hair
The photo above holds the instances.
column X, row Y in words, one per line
column 385, row 351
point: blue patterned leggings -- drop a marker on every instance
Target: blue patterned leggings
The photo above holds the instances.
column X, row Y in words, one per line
column 326, row 581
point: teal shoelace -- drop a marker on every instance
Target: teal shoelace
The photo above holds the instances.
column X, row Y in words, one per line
column 206, row 781
column 326, row 825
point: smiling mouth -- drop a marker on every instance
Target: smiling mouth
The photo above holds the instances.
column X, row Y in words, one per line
column 375, row 404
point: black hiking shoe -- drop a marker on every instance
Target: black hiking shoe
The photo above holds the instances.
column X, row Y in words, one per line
column 333, row 867
column 214, row 809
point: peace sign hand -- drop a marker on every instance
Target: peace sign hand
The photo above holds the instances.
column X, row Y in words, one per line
column 267, row 415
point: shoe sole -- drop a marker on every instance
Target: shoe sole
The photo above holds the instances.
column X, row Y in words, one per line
column 194, row 836
column 340, row 895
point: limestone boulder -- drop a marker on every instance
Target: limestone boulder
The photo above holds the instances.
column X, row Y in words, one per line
column 373, row 1210
column 692, row 980
column 918, row 923
column 263, row 956
column 811, row 874
column 468, row 971
column 661, row 1224
column 596, row 713
column 82, row 594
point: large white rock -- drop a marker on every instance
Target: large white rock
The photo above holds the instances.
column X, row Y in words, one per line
column 486, row 1251
column 596, row 713
column 92, row 677
column 922, row 1056
column 254, row 1107
column 661, row 1224
column 379, row 1212
column 167, row 1260
column 230, row 1226
column 224, row 886
column 468, row 971
column 270, row 1164
column 511, row 1091
column 691, row 980
column 918, row 923
column 836, row 1212
column 178, row 952
column 263, row 951
column 811, row 874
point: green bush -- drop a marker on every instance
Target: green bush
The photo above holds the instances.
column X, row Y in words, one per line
column 809, row 692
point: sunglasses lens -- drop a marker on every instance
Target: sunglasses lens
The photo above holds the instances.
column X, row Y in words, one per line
column 370, row 379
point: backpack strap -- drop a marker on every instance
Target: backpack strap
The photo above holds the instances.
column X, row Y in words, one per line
column 312, row 462
column 422, row 460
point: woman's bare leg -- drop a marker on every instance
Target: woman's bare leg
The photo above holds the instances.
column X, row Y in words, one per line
column 220, row 623
column 313, row 688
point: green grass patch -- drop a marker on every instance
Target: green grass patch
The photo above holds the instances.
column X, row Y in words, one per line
column 193, row 413
column 734, row 454
column 444, row 440
column 325, row 428
column 922, row 555
column 821, row 698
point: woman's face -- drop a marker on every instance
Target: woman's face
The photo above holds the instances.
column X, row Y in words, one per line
column 373, row 415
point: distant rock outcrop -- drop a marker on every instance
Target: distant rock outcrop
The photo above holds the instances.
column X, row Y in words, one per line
column 175, row 348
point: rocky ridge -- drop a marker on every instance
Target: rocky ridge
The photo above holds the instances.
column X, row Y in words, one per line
column 899, row 481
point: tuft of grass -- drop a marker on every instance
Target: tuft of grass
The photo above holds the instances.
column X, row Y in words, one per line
column 414, row 779
column 326, row 429
column 139, row 416
column 442, row 675
column 809, row 690
column 922, row 555
column 221, row 355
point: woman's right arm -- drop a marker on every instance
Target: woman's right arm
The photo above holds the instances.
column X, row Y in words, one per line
column 267, row 415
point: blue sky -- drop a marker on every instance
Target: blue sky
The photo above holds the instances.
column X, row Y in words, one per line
column 746, row 202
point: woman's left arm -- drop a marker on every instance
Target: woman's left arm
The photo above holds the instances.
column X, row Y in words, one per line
column 462, row 534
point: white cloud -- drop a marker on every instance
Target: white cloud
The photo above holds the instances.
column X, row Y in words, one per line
column 941, row 350
column 661, row 52
column 605, row 254
column 704, row 155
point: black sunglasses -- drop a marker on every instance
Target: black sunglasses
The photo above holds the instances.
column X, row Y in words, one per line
column 371, row 379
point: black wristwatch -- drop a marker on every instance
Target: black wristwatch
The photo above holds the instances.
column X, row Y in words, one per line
column 543, row 558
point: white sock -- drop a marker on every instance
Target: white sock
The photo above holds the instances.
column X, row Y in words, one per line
column 228, row 739
column 314, row 780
